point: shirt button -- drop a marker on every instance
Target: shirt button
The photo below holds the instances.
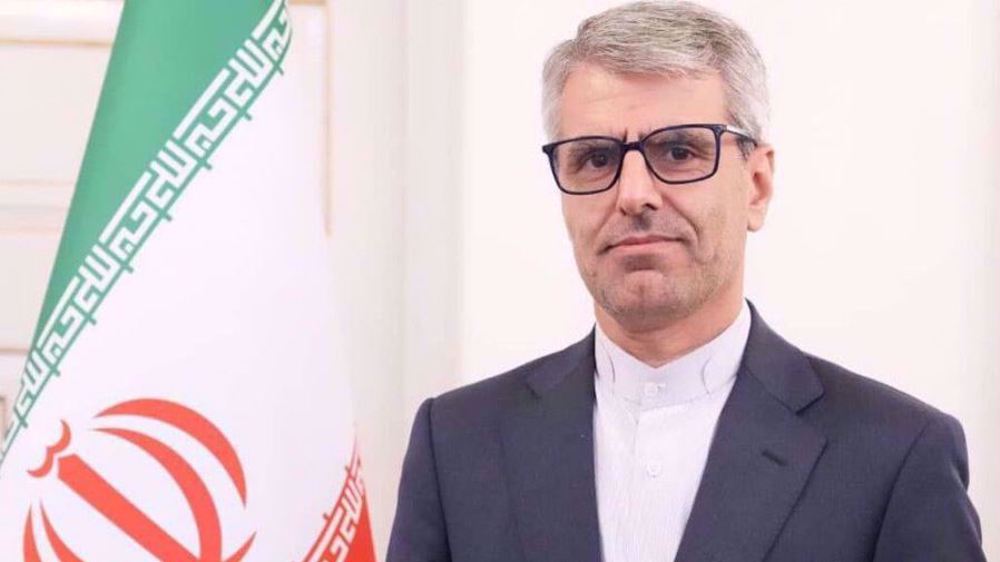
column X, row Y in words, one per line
column 653, row 469
column 651, row 389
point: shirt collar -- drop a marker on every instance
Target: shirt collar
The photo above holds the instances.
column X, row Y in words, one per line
column 694, row 375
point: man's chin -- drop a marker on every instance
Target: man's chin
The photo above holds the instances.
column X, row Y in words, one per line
column 646, row 283
column 644, row 294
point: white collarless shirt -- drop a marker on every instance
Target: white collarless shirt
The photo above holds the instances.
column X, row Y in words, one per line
column 652, row 431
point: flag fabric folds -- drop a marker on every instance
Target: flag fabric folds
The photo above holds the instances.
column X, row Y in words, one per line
column 182, row 398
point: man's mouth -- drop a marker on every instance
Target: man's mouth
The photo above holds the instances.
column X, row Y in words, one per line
column 641, row 242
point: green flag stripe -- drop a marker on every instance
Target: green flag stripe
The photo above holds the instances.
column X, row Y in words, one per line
column 223, row 104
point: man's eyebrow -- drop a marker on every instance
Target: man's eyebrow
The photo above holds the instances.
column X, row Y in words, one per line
column 647, row 130
column 611, row 132
column 604, row 132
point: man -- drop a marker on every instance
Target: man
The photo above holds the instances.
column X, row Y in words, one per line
column 682, row 428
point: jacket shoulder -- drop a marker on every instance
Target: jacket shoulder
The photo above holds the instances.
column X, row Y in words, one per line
column 484, row 399
column 854, row 402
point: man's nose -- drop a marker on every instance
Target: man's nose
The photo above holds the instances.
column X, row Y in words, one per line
column 638, row 189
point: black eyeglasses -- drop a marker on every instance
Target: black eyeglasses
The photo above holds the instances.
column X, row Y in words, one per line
column 677, row 154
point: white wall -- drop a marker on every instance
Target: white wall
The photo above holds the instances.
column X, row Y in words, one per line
column 367, row 104
column 882, row 249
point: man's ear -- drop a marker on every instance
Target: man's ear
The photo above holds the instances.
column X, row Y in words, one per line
column 760, row 167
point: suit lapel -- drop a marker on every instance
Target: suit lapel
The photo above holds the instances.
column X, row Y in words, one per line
column 761, row 456
column 759, row 462
column 548, row 446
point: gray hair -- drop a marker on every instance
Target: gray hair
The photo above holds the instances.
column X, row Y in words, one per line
column 668, row 38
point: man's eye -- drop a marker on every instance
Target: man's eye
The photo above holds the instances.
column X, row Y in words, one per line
column 598, row 160
column 592, row 160
column 680, row 153
column 674, row 153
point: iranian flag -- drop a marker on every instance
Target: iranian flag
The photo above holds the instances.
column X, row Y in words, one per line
column 182, row 399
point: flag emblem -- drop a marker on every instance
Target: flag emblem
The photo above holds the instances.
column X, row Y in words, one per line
column 79, row 476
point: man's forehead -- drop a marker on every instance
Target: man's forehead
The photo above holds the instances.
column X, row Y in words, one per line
column 601, row 102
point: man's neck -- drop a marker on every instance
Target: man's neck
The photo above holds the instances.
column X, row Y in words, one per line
column 668, row 340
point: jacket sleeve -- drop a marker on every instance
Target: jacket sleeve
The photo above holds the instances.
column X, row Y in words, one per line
column 929, row 517
column 418, row 531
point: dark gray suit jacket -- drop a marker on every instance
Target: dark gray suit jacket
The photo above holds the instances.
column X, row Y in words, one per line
column 809, row 463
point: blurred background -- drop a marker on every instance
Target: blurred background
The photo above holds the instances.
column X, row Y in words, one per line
column 881, row 252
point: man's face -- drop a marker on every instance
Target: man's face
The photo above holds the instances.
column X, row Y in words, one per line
column 651, row 253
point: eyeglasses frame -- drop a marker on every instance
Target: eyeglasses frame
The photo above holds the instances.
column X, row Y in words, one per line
column 640, row 145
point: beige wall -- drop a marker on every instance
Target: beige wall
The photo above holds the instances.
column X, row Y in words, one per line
column 882, row 250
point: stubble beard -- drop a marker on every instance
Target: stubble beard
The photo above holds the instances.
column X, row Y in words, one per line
column 644, row 295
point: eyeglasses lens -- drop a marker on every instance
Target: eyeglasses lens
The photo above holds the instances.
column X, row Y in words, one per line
column 676, row 155
column 587, row 164
column 681, row 155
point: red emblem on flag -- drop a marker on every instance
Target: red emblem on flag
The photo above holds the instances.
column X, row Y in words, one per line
column 95, row 490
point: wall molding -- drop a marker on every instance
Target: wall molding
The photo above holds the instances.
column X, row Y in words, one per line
column 33, row 207
column 69, row 23
column 59, row 22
